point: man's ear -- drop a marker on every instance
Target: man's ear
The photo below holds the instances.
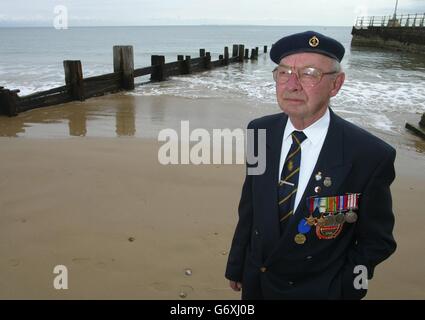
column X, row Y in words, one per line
column 337, row 84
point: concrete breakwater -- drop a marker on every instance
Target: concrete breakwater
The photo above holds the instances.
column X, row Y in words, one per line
column 401, row 33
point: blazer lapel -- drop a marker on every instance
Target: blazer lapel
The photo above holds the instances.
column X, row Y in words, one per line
column 269, row 184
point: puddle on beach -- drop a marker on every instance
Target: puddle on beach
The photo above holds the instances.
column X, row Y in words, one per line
column 127, row 115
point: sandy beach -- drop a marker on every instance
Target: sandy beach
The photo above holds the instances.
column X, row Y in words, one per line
column 127, row 227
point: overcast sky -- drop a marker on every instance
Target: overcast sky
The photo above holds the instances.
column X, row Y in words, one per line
column 175, row 12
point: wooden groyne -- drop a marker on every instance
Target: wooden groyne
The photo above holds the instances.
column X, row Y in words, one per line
column 397, row 32
column 418, row 129
column 78, row 88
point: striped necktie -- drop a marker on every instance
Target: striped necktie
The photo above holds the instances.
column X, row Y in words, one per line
column 288, row 184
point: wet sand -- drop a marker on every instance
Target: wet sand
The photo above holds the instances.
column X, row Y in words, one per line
column 127, row 227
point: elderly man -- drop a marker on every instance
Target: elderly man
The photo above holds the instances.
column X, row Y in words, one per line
column 319, row 220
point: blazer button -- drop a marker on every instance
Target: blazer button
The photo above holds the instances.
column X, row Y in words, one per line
column 256, row 232
column 309, row 257
column 291, row 283
column 263, row 269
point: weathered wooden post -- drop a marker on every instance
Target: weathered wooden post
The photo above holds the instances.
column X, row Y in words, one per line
column 202, row 52
column 8, row 103
column 422, row 122
column 265, row 49
column 157, row 63
column 256, row 53
column 417, row 129
column 124, row 64
column 235, row 51
column 241, row 51
column 226, row 56
column 74, row 79
column 246, row 55
column 207, row 61
column 252, row 54
column 180, row 59
column 187, row 68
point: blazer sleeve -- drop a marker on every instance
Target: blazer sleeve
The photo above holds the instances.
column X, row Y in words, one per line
column 242, row 235
column 374, row 239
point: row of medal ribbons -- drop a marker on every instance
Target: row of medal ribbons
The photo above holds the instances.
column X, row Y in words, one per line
column 337, row 209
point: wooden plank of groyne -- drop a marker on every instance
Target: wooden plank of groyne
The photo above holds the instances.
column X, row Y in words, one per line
column 42, row 94
column 420, row 131
column 46, row 101
column 142, row 71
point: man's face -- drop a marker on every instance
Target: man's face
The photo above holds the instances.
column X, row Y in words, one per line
column 308, row 103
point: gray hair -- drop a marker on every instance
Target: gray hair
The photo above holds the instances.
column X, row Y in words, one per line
column 336, row 66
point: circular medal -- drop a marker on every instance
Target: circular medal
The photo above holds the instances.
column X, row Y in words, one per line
column 318, row 176
column 330, row 220
column 340, row 218
column 300, row 238
column 317, row 189
column 303, row 226
column 327, row 182
column 321, row 221
column 351, row 216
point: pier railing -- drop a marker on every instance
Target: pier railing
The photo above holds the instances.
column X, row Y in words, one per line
column 78, row 88
column 403, row 20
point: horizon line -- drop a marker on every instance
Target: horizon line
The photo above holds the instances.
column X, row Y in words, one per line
column 174, row 25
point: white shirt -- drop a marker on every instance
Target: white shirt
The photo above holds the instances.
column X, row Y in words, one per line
column 310, row 149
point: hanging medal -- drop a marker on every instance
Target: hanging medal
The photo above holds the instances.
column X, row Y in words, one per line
column 313, row 203
column 303, row 228
column 340, row 217
column 352, row 200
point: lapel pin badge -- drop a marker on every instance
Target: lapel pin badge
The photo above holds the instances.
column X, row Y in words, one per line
column 327, row 182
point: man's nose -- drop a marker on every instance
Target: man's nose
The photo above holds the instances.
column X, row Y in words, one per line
column 293, row 83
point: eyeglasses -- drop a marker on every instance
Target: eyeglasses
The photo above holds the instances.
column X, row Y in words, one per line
column 307, row 76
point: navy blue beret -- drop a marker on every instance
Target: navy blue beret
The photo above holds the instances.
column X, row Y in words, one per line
column 308, row 41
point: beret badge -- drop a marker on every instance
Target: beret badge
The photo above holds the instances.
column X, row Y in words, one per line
column 314, row 42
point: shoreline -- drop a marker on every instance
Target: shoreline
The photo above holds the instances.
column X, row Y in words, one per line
column 131, row 115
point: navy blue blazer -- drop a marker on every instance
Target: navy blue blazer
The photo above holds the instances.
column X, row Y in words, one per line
column 271, row 266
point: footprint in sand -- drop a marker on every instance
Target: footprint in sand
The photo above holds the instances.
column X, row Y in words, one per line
column 14, row 262
column 98, row 264
column 80, row 260
column 159, row 286
column 101, row 265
